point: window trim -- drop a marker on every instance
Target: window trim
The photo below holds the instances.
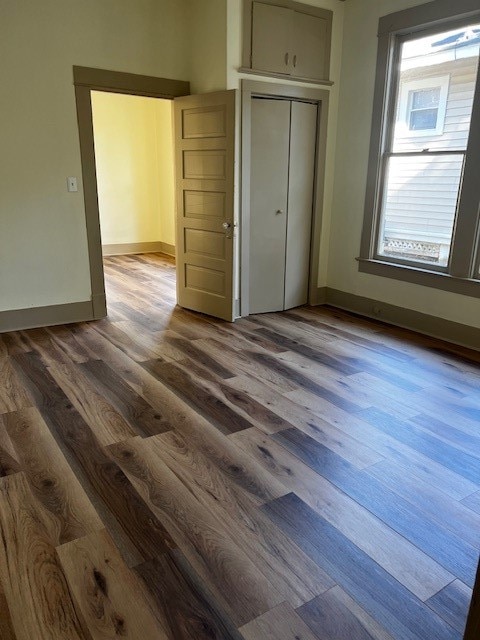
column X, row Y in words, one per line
column 462, row 275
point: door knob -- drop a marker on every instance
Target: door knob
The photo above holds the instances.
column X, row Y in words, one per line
column 278, row 212
column 226, row 225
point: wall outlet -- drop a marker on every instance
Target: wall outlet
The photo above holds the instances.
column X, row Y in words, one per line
column 72, row 184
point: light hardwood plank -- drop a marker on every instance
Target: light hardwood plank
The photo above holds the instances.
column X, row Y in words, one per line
column 107, row 592
column 36, row 590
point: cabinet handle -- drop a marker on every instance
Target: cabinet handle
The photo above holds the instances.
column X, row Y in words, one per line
column 295, row 60
column 287, row 58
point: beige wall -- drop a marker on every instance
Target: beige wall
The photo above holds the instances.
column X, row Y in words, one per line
column 208, row 42
column 134, row 160
column 356, row 100
column 43, row 250
column 234, row 61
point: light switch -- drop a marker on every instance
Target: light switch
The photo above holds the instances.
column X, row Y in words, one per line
column 72, row 184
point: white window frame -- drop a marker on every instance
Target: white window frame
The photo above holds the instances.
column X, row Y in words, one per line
column 406, row 88
column 462, row 274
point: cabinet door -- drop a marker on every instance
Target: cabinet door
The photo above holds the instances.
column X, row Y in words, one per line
column 303, row 136
column 268, row 203
column 271, row 29
column 310, row 46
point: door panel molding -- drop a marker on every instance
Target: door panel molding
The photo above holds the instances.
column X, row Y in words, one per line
column 86, row 80
column 319, row 97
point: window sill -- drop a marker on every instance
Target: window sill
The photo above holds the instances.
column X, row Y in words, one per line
column 423, row 277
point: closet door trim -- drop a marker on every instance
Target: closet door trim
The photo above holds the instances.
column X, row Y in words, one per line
column 269, row 90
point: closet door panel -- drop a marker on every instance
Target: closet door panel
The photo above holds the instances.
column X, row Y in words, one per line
column 300, row 202
column 268, row 204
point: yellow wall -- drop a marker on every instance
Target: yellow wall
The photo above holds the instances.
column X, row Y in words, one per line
column 43, row 248
column 134, row 159
column 356, row 101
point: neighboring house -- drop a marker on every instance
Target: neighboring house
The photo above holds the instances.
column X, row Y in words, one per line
column 437, row 83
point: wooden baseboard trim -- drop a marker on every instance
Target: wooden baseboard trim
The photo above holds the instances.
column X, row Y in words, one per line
column 138, row 247
column 447, row 330
column 46, row 316
column 318, row 296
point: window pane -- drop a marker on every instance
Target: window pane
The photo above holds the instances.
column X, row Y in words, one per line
column 426, row 98
column 437, row 73
column 424, row 119
column 420, row 203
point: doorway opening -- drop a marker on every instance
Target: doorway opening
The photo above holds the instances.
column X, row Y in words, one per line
column 86, row 81
column 134, row 159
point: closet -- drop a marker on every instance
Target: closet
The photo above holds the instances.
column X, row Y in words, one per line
column 283, row 144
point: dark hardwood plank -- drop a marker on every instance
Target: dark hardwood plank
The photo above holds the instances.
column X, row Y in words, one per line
column 200, row 356
column 6, row 626
column 50, row 478
column 204, row 540
column 353, row 450
column 451, row 603
column 419, row 464
column 9, row 462
column 13, row 395
column 99, row 473
column 286, row 567
column 202, row 399
column 461, row 463
column 281, row 623
column 140, row 415
column 84, row 394
column 303, row 381
column 312, row 354
column 450, row 514
column 240, row 363
column 334, row 615
column 185, row 607
column 239, row 467
column 457, row 437
column 405, row 562
column 382, row 597
column 473, row 501
column 447, row 549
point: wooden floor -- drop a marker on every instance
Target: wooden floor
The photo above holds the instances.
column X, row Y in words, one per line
column 295, row 476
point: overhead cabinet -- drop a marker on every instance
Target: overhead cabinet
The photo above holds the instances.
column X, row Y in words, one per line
column 289, row 40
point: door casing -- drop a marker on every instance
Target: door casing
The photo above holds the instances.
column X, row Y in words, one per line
column 86, row 80
column 272, row 90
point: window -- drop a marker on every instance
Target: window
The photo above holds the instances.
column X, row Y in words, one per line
column 423, row 106
column 423, row 198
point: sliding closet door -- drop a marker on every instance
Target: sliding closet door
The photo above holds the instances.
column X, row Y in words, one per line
column 303, row 128
column 268, row 206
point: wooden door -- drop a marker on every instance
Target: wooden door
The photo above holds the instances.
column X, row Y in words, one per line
column 303, row 136
column 204, row 163
column 268, row 203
